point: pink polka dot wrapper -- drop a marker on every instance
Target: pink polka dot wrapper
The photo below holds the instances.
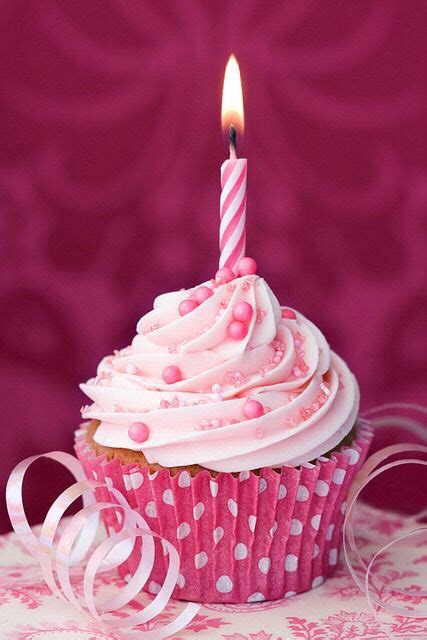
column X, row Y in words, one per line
column 240, row 537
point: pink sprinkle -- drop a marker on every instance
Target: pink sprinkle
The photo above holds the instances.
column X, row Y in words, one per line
column 224, row 275
column 297, row 372
column 246, row 266
column 237, row 330
column 243, row 311
column 171, row 374
column 186, row 306
column 289, row 314
column 202, row 294
column 277, row 359
column 297, row 343
column 139, row 432
column 252, row 409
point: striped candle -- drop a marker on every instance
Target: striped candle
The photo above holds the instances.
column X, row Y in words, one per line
column 232, row 231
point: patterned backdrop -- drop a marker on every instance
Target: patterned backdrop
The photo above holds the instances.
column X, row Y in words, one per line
column 109, row 183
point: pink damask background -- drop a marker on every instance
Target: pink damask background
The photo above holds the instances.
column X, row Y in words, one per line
column 109, row 184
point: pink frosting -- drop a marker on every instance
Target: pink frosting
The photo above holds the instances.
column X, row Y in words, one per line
column 310, row 399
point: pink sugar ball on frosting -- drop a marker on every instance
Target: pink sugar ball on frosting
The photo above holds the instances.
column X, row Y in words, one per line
column 289, row 314
column 252, row 409
column 243, row 311
column 202, row 294
column 246, row 266
column 139, row 432
column 171, row 374
column 237, row 330
column 224, row 275
column 186, row 306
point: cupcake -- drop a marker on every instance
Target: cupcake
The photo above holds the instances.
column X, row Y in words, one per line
column 231, row 426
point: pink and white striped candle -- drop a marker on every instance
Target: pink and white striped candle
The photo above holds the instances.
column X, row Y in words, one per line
column 232, row 231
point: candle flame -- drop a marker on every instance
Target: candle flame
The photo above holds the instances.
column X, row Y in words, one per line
column 232, row 97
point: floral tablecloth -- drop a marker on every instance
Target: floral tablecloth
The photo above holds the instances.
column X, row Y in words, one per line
column 336, row 610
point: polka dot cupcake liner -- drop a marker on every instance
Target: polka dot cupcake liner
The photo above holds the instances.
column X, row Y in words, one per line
column 240, row 537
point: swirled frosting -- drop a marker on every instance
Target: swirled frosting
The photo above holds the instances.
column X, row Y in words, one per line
column 309, row 397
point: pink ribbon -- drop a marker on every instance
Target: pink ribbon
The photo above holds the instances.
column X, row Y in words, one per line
column 378, row 418
column 58, row 553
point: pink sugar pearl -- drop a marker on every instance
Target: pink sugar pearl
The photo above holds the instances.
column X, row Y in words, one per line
column 246, row 266
column 224, row 275
column 171, row 374
column 186, row 306
column 252, row 409
column 243, row 311
column 139, row 432
column 202, row 294
column 237, row 330
column 289, row 314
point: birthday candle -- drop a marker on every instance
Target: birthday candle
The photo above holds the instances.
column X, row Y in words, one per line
column 232, row 234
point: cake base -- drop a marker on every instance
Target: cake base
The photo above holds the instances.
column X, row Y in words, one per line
column 241, row 537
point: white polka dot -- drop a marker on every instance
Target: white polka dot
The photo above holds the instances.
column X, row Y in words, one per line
column 240, row 551
column 315, row 522
column 333, row 556
column 329, row 532
column 252, row 522
column 262, row 486
column 200, row 559
column 232, row 507
column 322, row 488
column 291, row 562
column 214, row 488
column 264, row 565
column 218, row 534
column 180, row 581
column 244, row 475
column 316, row 550
column 339, row 475
column 224, row 584
column 302, row 493
column 273, row 529
column 289, row 594
column 153, row 587
column 150, row 509
column 282, row 491
column 323, row 459
column 296, row 527
column 154, row 475
column 317, row 582
column 184, row 479
column 354, row 456
column 198, row 510
column 256, row 597
column 164, row 547
column 108, row 481
column 137, row 480
column 183, row 530
column 168, row 497
column 127, row 481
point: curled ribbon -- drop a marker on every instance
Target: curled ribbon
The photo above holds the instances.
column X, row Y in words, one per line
column 75, row 541
column 378, row 418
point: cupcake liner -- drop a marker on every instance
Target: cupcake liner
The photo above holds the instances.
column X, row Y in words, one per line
column 240, row 537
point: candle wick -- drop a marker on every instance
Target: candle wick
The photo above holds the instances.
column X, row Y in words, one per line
column 232, row 134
